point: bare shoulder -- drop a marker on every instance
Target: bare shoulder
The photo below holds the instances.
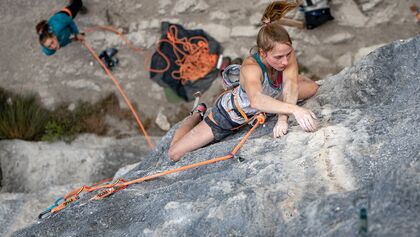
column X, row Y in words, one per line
column 250, row 70
column 250, row 66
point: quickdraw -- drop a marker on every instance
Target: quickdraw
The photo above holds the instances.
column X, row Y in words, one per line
column 64, row 204
column 109, row 191
column 48, row 210
column 72, row 196
column 57, row 206
column 121, row 184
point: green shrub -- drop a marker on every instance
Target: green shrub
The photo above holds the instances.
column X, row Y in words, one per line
column 53, row 131
column 21, row 117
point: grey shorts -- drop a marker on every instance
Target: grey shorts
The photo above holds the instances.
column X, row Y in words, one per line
column 220, row 123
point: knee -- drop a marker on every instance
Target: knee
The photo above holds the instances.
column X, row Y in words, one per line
column 312, row 89
column 173, row 154
column 315, row 88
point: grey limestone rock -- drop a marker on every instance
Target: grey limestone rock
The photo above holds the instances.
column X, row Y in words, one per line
column 365, row 154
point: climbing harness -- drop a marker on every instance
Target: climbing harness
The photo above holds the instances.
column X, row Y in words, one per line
column 192, row 56
column 120, row 184
column 117, row 84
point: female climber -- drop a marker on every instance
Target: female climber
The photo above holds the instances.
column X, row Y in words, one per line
column 269, row 82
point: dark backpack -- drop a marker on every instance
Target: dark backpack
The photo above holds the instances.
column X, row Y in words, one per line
column 317, row 12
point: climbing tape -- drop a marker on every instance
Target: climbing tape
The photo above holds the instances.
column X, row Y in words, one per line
column 117, row 84
column 122, row 184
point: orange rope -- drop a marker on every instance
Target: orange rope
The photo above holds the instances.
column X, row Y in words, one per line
column 260, row 120
column 117, row 84
column 74, row 195
column 193, row 59
column 120, row 34
column 130, row 46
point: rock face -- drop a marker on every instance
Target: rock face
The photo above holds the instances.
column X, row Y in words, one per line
column 365, row 155
column 34, row 174
column 33, row 166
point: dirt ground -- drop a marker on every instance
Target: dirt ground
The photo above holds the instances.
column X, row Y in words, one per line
column 71, row 75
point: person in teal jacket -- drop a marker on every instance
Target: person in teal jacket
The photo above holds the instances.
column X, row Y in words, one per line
column 60, row 30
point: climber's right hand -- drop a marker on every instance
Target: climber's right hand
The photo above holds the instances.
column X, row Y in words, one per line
column 305, row 118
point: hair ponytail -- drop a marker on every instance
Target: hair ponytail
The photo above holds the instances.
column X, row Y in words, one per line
column 272, row 31
column 41, row 27
column 276, row 10
column 43, row 30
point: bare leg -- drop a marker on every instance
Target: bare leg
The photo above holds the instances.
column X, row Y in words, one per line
column 199, row 136
column 188, row 124
column 307, row 87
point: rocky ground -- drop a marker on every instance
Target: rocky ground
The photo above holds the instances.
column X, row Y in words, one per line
column 72, row 75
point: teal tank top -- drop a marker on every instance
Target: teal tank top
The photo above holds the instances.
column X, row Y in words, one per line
column 273, row 90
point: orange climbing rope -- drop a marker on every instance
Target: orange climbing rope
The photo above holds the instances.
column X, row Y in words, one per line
column 194, row 59
column 120, row 34
column 117, row 84
column 121, row 184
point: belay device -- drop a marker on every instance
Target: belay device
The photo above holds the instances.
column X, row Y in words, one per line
column 109, row 58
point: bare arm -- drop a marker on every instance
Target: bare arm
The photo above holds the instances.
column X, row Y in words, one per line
column 250, row 80
column 290, row 90
column 290, row 94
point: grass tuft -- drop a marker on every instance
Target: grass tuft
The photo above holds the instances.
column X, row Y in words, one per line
column 21, row 117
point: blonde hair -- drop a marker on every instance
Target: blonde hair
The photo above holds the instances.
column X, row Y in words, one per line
column 272, row 31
